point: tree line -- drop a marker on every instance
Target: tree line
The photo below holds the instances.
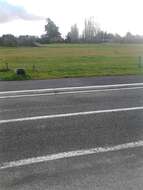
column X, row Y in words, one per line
column 90, row 34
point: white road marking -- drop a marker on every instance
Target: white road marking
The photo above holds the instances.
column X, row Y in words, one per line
column 71, row 88
column 70, row 92
column 70, row 154
column 70, row 114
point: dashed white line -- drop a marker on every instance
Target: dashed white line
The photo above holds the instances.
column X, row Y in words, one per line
column 70, row 114
column 70, row 92
column 71, row 88
column 52, row 157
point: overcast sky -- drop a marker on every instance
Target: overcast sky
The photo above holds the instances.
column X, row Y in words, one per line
column 28, row 16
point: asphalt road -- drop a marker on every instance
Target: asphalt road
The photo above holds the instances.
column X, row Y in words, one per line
column 56, row 83
column 115, row 118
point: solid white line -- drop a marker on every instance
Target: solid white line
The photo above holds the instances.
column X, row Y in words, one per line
column 70, row 114
column 52, row 157
column 71, row 88
column 70, row 92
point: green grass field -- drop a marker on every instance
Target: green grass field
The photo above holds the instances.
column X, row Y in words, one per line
column 71, row 60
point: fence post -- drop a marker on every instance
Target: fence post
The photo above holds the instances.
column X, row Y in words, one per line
column 140, row 62
column 34, row 68
column 6, row 64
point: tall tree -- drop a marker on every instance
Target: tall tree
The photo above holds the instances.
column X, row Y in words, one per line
column 73, row 35
column 90, row 30
column 129, row 37
column 8, row 40
column 52, row 31
column 26, row 40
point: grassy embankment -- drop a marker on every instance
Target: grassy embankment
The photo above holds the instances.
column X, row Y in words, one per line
column 59, row 61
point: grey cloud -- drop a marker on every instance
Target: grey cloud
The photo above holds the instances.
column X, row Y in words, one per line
column 9, row 12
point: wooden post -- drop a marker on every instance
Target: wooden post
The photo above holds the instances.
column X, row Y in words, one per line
column 34, row 68
column 6, row 64
column 140, row 62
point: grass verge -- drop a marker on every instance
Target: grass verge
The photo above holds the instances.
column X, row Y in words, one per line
column 77, row 60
